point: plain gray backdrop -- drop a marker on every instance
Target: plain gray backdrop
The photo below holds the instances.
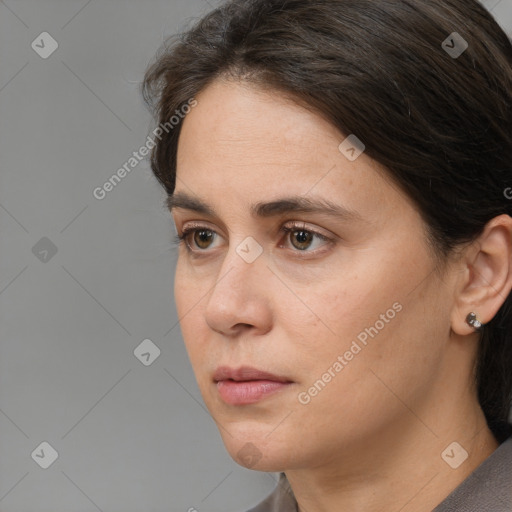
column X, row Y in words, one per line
column 84, row 281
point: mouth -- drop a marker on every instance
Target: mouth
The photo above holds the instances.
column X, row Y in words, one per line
column 247, row 385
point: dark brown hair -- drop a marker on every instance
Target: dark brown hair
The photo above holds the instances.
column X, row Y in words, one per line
column 441, row 125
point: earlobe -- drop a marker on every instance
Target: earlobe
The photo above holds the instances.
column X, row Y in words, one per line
column 487, row 280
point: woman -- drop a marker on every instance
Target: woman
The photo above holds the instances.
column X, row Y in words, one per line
column 341, row 188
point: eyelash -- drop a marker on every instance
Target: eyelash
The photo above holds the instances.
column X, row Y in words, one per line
column 286, row 230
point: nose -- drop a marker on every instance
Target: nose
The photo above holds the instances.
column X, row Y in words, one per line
column 241, row 299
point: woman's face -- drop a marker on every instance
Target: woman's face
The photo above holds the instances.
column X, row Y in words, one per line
column 310, row 266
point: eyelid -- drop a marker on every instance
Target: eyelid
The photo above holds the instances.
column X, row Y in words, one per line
column 297, row 225
column 196, row 225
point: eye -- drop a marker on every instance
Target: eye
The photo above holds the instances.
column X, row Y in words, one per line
column 197, row 238
column 304, row 240
column 297, row 237
column 301, row 239
column 203, row 238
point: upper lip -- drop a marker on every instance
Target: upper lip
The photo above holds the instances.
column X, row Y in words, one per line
column 245, row 373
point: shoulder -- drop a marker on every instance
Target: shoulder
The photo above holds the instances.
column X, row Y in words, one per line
column 488, row 488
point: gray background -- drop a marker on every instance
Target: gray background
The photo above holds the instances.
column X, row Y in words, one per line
column 129, row 437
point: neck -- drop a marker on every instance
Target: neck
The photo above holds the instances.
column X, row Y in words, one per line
column 399, row 469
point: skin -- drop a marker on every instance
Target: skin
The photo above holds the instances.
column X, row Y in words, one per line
column 372, row 438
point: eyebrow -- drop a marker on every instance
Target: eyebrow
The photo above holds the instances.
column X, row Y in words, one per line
column 294, row 204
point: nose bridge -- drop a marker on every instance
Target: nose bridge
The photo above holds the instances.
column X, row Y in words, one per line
column 243, row 262
column 238, row 296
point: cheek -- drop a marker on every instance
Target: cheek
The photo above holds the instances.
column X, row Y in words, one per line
column 369, row 318
column 344, row 307
column 190, row 302
column 385, row 346
column 189, row 288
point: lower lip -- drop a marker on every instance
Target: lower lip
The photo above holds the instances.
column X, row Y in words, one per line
column 248, row 392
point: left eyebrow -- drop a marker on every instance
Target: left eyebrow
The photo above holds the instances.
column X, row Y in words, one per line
column 300, row 204
column 294, row 204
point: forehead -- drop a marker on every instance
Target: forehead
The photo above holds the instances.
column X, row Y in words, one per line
column 236, row 117
column 247, row 145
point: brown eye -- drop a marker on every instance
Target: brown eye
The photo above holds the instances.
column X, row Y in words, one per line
column 203, row 238
column 301, row 239
column 308, row 241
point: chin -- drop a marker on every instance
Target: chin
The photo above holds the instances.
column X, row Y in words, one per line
column 258, row 452
column 250, row 457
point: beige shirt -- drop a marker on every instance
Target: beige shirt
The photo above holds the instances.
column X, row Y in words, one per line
column 487, row 489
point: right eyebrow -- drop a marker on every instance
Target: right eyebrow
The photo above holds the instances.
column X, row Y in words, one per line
column 186, row 202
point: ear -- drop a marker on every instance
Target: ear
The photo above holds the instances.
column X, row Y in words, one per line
column 486, row 277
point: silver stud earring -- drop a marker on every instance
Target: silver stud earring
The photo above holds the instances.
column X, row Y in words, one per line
column 472, row 320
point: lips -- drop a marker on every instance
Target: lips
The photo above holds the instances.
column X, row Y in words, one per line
column 247, row 385
column 246, row 373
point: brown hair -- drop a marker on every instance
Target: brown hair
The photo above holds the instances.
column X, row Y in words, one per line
column 440, row 124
